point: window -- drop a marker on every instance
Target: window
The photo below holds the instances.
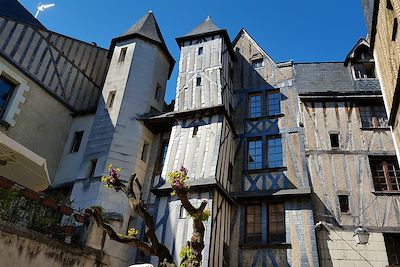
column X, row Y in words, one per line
column 276, row 223
column 157, row 96
column 344, row 203
column 145, row 152
column 274, row 152
column 257, row 63
column 230, row 172
column 364, row 70
column 110, row 99
column 195, row 130
column 253, row 223
column 254, row 154
column 76, row 142
column 273, row 229
column 394, row 31
column 122, row 54
column 385, row 173
column 198, row 81
column 392, row 244
column 182, row 213
column 273, row 103
column 91, row 168
column 373, row 116
column 334, row 140
column 6, row 89
column 254, row 105
column 200, row 51
column 164, row 150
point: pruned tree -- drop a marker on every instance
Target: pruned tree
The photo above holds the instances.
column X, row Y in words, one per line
column 190, row 254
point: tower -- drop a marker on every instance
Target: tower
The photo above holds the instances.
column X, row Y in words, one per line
column 201, row 140
column 140, row 65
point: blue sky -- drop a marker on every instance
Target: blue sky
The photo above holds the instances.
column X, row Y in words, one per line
column 305, row 31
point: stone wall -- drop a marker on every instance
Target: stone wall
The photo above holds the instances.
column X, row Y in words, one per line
column 21, row 247
column 337, row 248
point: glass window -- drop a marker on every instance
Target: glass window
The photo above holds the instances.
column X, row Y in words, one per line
column 373, row 116
column 254, row 159
column 257, row 63
column 198, row 81
column 254, row 105
column 274, row 153
column 110, row 99
column 334, row 140
column 392, row 244
column 385, row 173
column 200, row 51
column 253, row 222
column 145, row 152
column 364, row 70
column 122, row 54
column 344, row 203
column 76, row 142
column 91, row 168
column 276, row 223
column 6, row 89
column 274, row 103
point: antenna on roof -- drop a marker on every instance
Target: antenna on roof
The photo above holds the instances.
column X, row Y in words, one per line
column 41, row 7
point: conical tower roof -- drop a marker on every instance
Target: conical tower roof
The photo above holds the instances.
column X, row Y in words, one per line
column 204, row 27
column 147, row 29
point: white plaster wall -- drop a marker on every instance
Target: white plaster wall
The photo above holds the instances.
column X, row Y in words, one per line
column 68, row 167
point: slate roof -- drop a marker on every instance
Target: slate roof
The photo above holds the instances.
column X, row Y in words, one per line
column 147, row 27
column 14, row 10
column 204, row 27
column 325, row 77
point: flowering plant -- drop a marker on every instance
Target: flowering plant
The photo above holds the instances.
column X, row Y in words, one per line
column 133, row 232
column 112, row 180
column 177, row 180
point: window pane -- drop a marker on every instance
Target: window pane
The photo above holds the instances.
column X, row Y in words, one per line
column 274, row 153
column 274, row 103
column 373, row 116
column 6, row 88
column 254, row 106
column 254, row 154
column 253, row 222
column 276, row 223
column 385, row 173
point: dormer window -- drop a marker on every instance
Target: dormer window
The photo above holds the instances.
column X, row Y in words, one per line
column 363, row 63
column 257, row 63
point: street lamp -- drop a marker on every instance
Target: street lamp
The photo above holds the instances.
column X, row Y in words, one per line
column 361, row 235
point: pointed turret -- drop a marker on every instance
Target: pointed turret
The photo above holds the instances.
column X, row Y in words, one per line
column 146, row 28
column 205, row 29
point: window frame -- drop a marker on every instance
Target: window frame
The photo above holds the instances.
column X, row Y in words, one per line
column 346, row 207
column 257, row 63
column 198, row 81
column 267, row 149
column 111, row 99
column 122, row 54
column 373, row 109
column 334, row 138
column 145, row 152
column 265, row 236
column 267, row 99
column 200, row 51
column 382, row 161
column 249, row 105
column 78, row 135
column 13, row 86
column 254, row 139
